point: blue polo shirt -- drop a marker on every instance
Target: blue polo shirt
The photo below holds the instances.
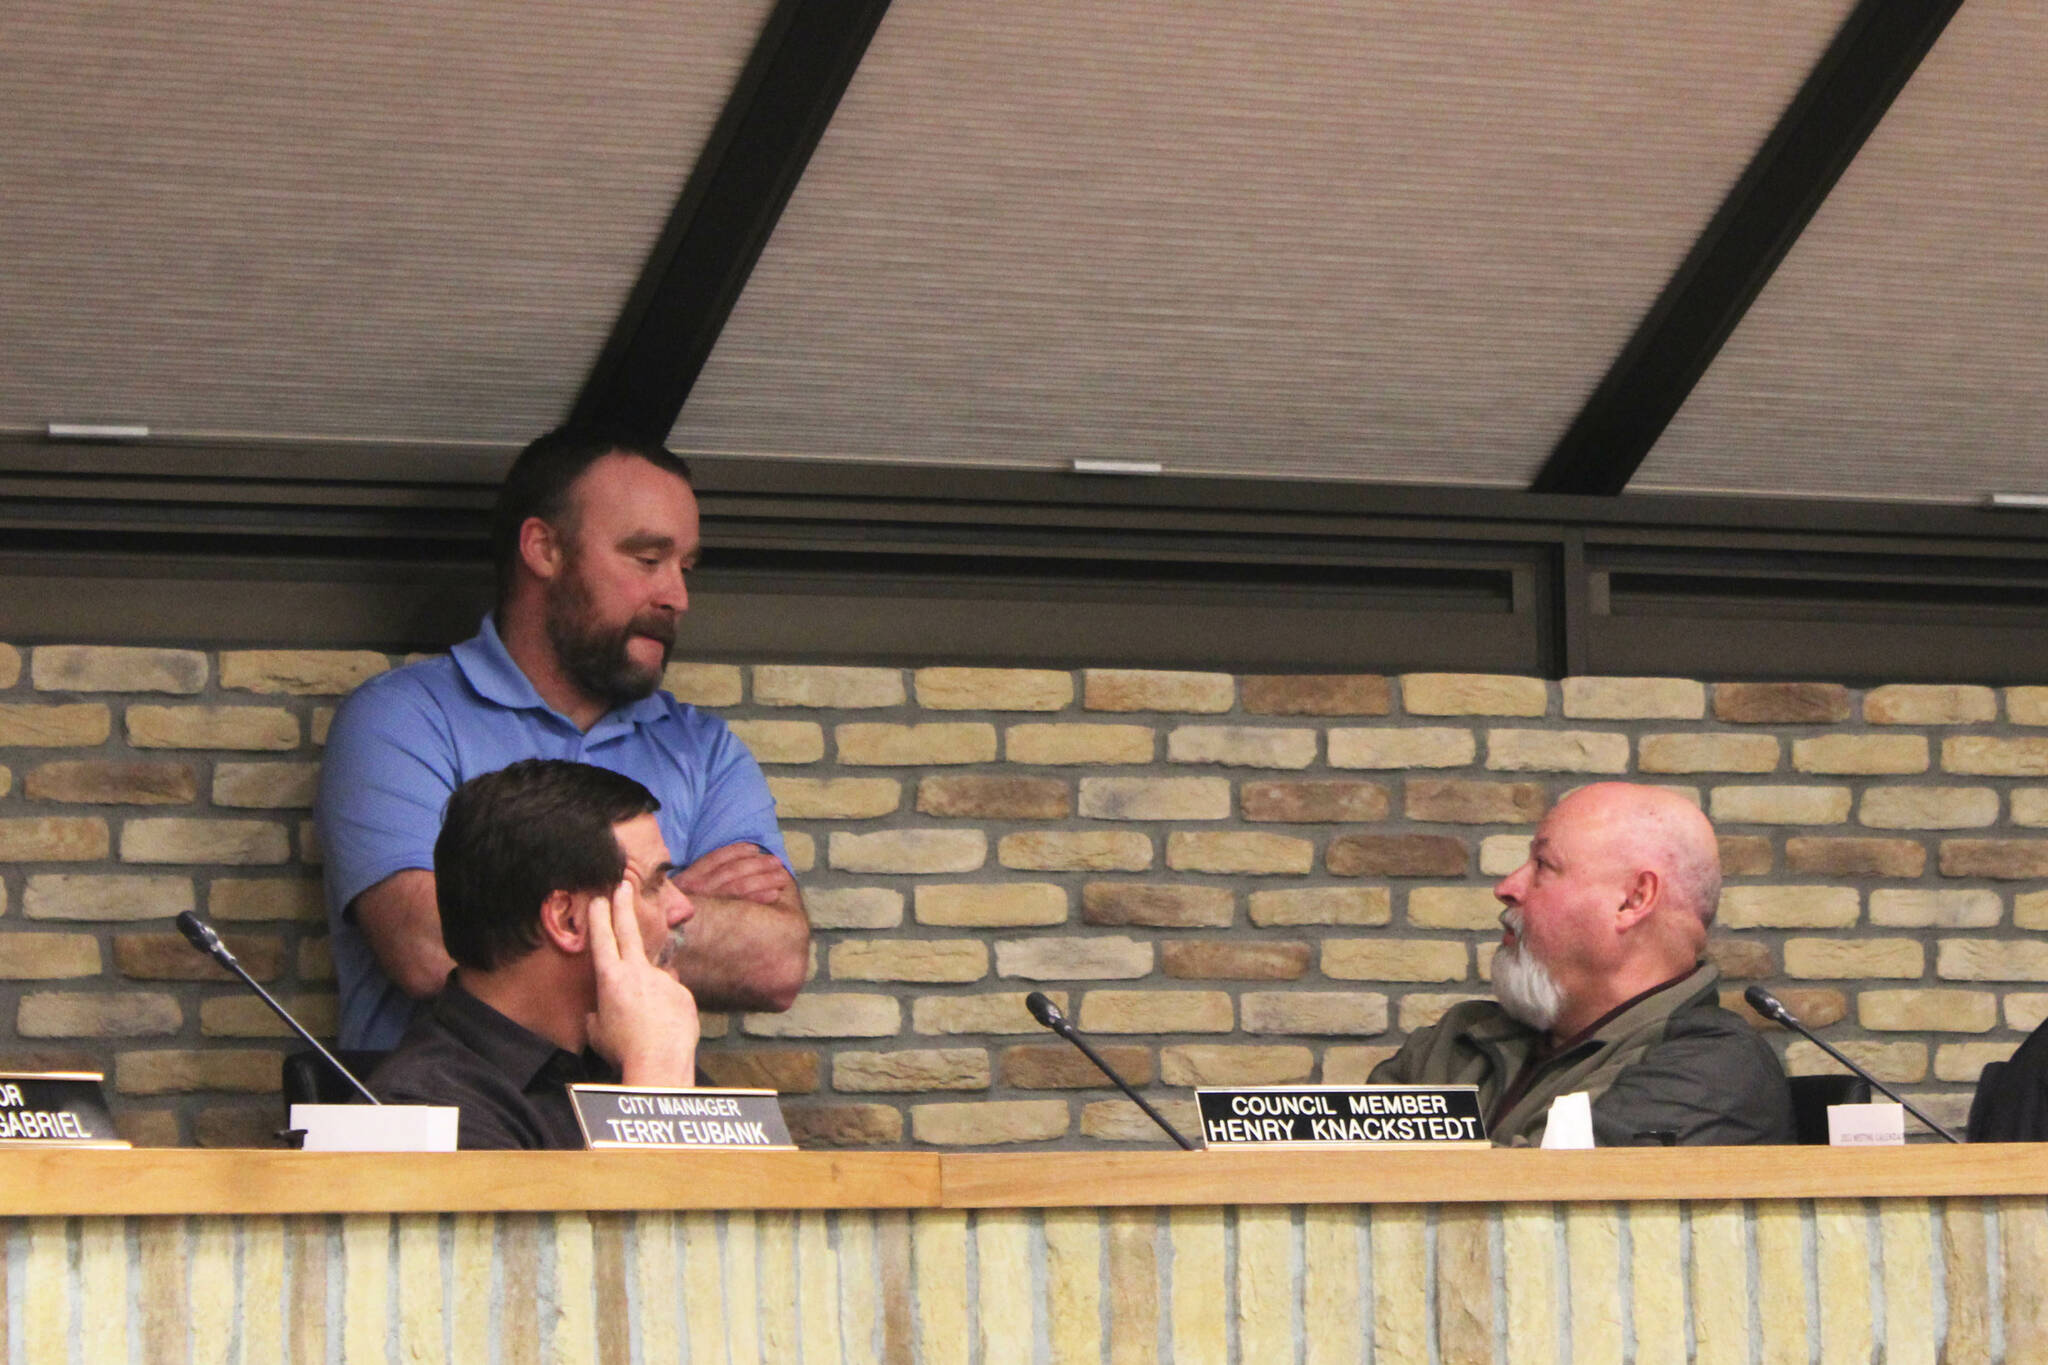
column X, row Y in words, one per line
column 406, row 739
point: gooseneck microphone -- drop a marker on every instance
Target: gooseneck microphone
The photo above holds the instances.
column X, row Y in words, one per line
column 1770, row 1007
column 1045, row 1012
column 200, row 935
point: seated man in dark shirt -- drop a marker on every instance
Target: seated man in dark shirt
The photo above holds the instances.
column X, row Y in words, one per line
column 1602, row 988
column 556, row 903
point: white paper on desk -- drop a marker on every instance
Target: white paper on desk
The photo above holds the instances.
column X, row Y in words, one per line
column 1867, row 1125
column 377, row 1127
column 1570, row 1124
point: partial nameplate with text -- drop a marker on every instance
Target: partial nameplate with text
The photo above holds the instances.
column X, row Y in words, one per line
column 56, row 1109
column 615, row 1116
column 1341, row 1116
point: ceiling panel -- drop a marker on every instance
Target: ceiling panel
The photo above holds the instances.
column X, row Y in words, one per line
column 344, row 220
column 1901, row 350
column 1353, row 240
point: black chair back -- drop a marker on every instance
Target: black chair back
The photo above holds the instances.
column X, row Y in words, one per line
column 1811, row 1096
column 308, row 1079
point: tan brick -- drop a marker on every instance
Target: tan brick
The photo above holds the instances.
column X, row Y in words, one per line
column 1241, row 746
column 1781, row 703
column 701, row 684
column 909, row 960
column 988, row 1123
column 1347, row 905
column 1993, row 756
column 1836, row 959
column 843, row 1125
column 1861, row 754
column 842, row 689
column 1741, row 959
column 2027, row 705
column 857, row 907
column 91, row 896
column 1425, row 748
column 1707, row 754
column 1920, row 909
column 173, row 839
column 1074, row 744
column 1991, row 959
column 316, row 962
column 1317, row 694
column 1056, row 1066
column 1744, row 855
column 1198, row 960
column 299, row 672
column 785, row 1070
column 31, row 725
column 1103, row 958
column 1781, row 805
column 993, row 689
column 825, row 1014
column 1314, row 802
column 1236, row 853
column 6, row 780
column 115, row 668
column 1119, row 1120
column 168, row 957
column 1453, row 907
column 1634, row 699
column 1788, row 907
column 1556, row 751
column 1929, row 807
column 322, row 721
column 1965, row 1062
column 835, row 798
column 1353, row 1064
column 265, row 785
column 1855, row 857
column 1396, row 855
column 909, row 850
column 100, row 782
column 976, row 797
column 175, row 1071
column 1157, row 906
column 992, row 904
column 1814, row 1006
column 1144, row 689
column 781, row 741
column 2029, row 909
column 1473, row 694
column 212, row 727
column 1327, row 1013
column 1076, row 851
column 53, row 839
column 1450, row 801
column 933, row 1068
column 244, row 1016
column 1155, row 798
column 996, row 1013
column 1927, row 1011
column 1226, row 1064
column 1898, row 1063
column 1156, row 1012
column 2003, row 859
column 2026, row 1011
column 871, row 744
column 10, row 666
column 1381, row 959
column 801, row 848
column 2030, row 807
column 149, row 1127
column 1500, row 854
column 1423, row 1009
column 1921, row 704
column 266, row 898
column 48, row 957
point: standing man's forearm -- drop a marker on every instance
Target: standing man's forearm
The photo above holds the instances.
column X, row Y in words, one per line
column 744, row 954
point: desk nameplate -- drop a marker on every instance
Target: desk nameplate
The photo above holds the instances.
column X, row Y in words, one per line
column 656, row 1117
column 55, row 1109
column 1340, row 1116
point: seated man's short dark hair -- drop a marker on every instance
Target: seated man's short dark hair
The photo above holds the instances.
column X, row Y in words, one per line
column 511, row 838
column 537, row 485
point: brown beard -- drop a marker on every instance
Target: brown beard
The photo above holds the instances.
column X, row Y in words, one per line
column 595, row 658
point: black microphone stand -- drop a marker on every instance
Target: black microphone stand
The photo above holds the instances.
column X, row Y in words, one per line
column 1768, row 1005
column 1045, row 1012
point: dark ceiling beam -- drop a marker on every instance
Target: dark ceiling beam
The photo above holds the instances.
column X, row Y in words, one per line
column 1850, row 88
column 750, row 165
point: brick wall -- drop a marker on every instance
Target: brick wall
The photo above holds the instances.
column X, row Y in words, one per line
column 1225, row 878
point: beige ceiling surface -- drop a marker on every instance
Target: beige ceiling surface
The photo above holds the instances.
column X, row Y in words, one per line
column 1358, row 240
column 367, row 220
column 1901, row 350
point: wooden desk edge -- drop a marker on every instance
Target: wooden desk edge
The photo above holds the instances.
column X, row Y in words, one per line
column 57, row 1183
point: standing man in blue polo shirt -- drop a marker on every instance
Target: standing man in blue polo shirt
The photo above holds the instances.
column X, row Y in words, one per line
column 593, row 537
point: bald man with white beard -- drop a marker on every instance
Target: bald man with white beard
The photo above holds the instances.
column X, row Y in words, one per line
column 1602, row 987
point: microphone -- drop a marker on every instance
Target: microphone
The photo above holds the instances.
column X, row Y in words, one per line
column 1045, row 1012
column 200, row 935
column 1772, row 1008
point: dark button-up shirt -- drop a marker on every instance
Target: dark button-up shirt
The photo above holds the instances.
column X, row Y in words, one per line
column 509, row 1082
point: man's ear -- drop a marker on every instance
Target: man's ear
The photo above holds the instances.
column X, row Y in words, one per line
column 565, row 921
column 541, row 548
column 1644, row 891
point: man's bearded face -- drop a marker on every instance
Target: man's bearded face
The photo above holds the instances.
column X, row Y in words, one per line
column 594, row 653
column 1523, row 985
